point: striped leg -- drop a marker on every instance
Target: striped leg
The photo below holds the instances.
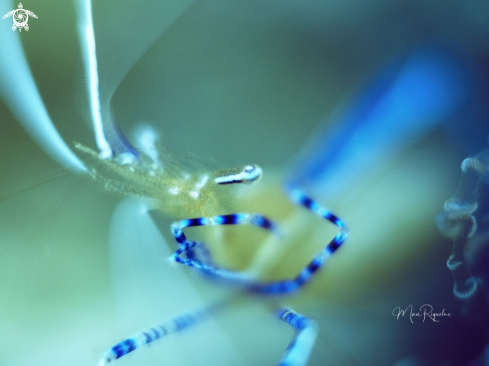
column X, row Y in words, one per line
column 205, row 266
column 152, row 334
column 299, row 349
column 197, row 255
column 288, row 286
column 233, row 219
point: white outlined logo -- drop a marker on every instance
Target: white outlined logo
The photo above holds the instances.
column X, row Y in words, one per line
column 20, row 17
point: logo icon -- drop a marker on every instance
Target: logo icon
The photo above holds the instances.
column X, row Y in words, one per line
column 20, row 16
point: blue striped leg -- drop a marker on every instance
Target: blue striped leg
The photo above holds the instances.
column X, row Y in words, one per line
column 205, row 266
column 152, row 334
column 233, row 219
column 299, row 349
column 197, row 254
column 288, row 286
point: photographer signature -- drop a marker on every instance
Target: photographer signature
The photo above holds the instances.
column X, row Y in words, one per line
column 425, row 311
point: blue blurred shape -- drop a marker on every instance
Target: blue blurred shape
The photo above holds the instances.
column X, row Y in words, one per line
column 406, row 101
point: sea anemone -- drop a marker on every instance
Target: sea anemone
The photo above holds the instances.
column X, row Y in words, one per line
column 368, row 108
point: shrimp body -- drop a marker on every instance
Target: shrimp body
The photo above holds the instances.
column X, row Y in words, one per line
column 179, row 185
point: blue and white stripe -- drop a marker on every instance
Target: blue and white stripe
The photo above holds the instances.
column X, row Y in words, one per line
column 233, row 219
column 152, row 334
column 281, row 287
column 248, row 175
column 299, row 349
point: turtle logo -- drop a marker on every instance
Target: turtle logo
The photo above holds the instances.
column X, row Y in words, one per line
column 20, row 17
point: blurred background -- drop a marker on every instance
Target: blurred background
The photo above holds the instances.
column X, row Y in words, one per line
column 235, row 82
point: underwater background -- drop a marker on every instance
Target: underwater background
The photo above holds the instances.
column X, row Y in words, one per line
column 307, row 89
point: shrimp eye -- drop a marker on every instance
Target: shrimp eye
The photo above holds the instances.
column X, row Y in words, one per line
column 251, row 174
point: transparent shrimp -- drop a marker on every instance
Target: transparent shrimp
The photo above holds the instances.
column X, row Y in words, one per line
column 182, row 187
column 197, row 256
column 179, row 185
column 177, row 188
